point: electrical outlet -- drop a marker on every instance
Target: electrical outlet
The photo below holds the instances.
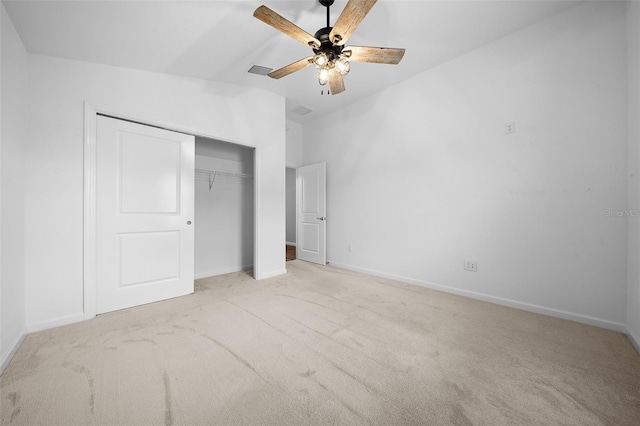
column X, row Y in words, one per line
column 510, row 127
column 349, row 248
column 471, row 265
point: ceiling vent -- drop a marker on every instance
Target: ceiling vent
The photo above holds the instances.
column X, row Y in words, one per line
column 257, row 69
column 301, row 110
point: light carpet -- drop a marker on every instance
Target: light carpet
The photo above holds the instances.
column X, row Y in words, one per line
column 321, row 345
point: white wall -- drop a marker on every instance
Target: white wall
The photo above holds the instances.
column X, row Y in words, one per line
column 293, row 161
column 2, row 344
column 633, row 54
column 14, row 113
column 54, row 177
column 223, row 213
column 294, row 144
column 423, row 176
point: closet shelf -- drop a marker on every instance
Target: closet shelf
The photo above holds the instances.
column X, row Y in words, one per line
column 212, row 176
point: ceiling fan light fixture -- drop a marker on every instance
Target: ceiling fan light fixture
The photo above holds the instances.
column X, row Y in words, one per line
column 342, row 65
column 331, row 57
column 320, row 59
column 323, row 76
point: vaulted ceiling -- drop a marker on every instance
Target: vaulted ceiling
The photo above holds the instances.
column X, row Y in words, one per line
column 221, row 40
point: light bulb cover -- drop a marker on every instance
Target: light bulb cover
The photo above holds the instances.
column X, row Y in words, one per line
column 342, row 65
column 320, row 59
column 323, row 76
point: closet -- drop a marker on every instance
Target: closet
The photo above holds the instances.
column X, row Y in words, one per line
column 224, row 207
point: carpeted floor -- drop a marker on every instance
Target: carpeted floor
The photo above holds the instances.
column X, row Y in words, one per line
column 322, row 345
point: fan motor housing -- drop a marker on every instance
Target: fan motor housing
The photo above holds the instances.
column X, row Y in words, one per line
column 326, row 45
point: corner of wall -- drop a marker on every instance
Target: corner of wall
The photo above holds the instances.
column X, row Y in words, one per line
column 12, row 348
column 259, row 277
column 2, row 361
column 14, row 124
column 635, row 340
column 633, row 134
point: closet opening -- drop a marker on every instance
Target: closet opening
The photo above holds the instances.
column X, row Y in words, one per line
column 224, row 207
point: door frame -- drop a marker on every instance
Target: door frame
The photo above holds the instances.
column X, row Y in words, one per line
column 89, row 237
column 295, row 201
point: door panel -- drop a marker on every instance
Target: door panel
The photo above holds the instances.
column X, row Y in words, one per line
column 311, row 188
column 145, row 208
column 157, row 190
column 311, row 237
column 310, row 191
column 147, row 257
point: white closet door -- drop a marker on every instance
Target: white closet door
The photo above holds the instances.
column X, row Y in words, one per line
column 145, row 209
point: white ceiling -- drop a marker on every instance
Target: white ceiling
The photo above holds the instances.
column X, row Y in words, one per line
column 220, row 40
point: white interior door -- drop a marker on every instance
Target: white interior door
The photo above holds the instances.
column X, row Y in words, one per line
column 311, row 188
column 145, row 209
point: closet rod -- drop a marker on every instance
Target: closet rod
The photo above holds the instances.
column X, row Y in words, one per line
column 211, row 175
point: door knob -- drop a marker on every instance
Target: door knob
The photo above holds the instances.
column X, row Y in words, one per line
column 188, row 222
column 321, row 218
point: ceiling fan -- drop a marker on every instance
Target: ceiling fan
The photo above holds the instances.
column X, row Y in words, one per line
column 331, row 57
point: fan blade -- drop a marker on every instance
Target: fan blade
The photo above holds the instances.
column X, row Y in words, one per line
column 336, row 82
column 353, row 13
column 376, row 55
column 291, row 68
column 270, row 17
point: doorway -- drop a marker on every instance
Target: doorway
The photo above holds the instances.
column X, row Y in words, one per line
column 291, row 238
column 311, row 185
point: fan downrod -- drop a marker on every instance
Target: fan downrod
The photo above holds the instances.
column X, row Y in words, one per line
column 327, row 4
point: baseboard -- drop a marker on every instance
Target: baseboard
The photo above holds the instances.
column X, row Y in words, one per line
column 635, row 341
column 56, row 322
column 221, row 271
column 11, row 351
column 290, row 244
column 557, row 313
column 271, row 274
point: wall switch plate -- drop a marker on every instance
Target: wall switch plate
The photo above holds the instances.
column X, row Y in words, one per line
column 471, row 265
column 510, row 127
